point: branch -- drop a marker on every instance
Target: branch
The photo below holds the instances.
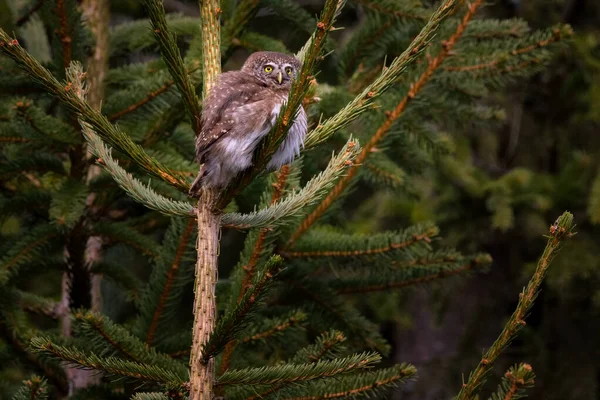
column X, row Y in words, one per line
column 324, row 346
column 388, row 10
column 561, row 230
column 364, row 245
column 133, row 187
column 388, row 282
column 187, row 233
column 363, row 101
column 98, row 122
column 93, row 326
column 295, row 203
column 274, row 330
column 557, row 34
column 515, row 382
column 111, row 365
column 366, row 384
column 35, row 388
column 289, row 373
column 172, row 57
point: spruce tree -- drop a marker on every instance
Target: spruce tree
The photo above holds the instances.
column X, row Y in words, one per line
column 286, row 321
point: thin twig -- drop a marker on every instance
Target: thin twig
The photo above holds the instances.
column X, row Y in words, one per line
column 561, row 230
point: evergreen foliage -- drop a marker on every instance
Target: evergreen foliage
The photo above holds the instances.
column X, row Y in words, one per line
column 288, row 324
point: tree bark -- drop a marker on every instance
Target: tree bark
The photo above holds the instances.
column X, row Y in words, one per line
column 202, row 372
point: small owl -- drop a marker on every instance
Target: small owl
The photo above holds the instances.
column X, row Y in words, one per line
column 239, row 111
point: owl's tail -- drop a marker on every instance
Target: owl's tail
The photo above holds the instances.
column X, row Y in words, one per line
column 197, row 184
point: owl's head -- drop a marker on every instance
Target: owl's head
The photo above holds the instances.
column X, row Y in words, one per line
column 274, row 69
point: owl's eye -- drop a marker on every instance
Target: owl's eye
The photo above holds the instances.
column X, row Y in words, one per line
column 288, row 71
column 268, row 69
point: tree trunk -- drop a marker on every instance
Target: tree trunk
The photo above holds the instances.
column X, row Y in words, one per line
column 202, row 372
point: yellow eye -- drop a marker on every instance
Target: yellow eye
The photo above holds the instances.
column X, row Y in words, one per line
column 288, row 71
column 268, row 69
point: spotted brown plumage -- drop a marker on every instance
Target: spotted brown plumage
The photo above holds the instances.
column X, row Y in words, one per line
column 239, row 111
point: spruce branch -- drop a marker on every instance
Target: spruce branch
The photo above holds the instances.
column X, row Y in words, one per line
column 44, row 124
column 135, row 35
column 363, row 101
column 406, row 277
column 26, row 249
column 338, row 312
column 37, row 304
column 13, row 331
column 362, row 385
column 169, row 281
column 308, row 50
column 34, row 388
column 325, row 243
column 172, row 57
column 111, row 365
column 101, row 330
column 235, row 26
column 231, row 324
column 557, row 33
column 561, row 230
column 328, row 346
column 275, row 327
column 395, row 9
column 161, row 297
column 150, row 396
column 98, row 122
column 385, row 81
column 515, row 383
column 133, row 187
column 143, row 101
column 295, row 203
column 289, row 373
column 271, row 142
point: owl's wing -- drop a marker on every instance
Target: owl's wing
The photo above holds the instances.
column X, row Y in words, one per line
column 233, row 90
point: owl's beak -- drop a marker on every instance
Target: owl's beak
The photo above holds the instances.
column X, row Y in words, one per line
column 279, row 77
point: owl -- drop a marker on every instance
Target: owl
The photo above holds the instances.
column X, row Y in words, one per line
column 239, row 111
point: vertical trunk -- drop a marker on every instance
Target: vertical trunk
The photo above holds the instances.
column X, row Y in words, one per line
column 202, row 372
column 97, row 14
column 209, row 224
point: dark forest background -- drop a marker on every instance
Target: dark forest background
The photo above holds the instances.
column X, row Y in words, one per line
column 495, row 194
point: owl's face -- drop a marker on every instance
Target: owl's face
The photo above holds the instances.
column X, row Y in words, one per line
column 274, row 69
